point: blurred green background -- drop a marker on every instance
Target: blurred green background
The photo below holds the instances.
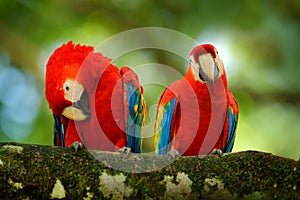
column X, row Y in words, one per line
column 259, row 42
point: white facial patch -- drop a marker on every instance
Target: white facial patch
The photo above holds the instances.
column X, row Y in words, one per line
column 195, row 68
column 219, row 64
column 72, row 90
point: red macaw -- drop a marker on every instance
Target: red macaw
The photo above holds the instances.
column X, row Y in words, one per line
column 198, row 113
column 93, row 102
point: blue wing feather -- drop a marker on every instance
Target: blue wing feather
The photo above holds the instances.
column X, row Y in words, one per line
column 164, row 127
column 59, row 132
column 135, row 118
column 232, row 122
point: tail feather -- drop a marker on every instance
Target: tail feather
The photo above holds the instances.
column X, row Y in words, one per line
column 134, row 109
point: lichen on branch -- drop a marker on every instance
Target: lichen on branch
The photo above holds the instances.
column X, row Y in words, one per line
column 43, row 172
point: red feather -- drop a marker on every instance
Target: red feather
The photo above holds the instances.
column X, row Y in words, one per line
column 63, row 63
column 104, row 130
column 203, row 49
column 200, row 118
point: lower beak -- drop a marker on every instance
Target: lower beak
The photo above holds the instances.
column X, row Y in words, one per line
column 80, row 110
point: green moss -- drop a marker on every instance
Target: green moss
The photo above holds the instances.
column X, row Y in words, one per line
column 243, row 175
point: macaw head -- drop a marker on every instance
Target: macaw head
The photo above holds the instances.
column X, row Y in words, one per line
column 206, row 64
column 64, row 93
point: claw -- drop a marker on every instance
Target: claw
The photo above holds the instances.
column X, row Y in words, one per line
column 125, row 150
column 217, row 152
column 76, row 146
column 173, row 153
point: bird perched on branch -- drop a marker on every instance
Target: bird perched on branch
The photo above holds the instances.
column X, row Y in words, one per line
column 198, row 113
column 93, row 102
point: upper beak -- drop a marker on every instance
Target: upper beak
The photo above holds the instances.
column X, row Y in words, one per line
column 208, row 71
column 80, row 110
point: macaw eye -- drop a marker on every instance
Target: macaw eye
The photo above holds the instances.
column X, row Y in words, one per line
column 66, row 86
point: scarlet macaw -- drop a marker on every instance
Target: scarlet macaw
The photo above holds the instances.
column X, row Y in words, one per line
column 198, row 113
column 93, row 102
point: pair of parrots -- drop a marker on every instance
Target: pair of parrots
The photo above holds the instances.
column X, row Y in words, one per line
column 102, row 107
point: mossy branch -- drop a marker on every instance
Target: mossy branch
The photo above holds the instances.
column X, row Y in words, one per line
column 42, row 172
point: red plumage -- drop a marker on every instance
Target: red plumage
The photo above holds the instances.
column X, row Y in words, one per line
column 199, row 120
column 63, row 63
column 79, row 78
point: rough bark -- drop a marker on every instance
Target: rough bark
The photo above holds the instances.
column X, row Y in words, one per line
column 43, row 172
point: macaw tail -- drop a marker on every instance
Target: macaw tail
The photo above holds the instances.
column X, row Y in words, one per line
column 59, row 131
column 134, row 109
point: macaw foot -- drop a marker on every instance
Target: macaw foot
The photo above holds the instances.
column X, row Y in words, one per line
column 125, row 150
column 217, row 152
column 76, row 146
column 173, row 153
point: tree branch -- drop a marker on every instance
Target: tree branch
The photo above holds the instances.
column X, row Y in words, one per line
column 42, row 172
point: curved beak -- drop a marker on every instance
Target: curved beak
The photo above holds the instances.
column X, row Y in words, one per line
column 80, row 110
column 208, row 70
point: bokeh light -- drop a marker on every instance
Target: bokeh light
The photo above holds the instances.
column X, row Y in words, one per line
column 257, row 40
column 20, row 102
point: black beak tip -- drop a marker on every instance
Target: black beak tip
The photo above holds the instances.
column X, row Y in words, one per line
column 83, row 104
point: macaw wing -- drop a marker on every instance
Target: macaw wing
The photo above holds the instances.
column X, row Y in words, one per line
column 232, row 119
column 59, row 131
column 135, row 109
column 164, row 125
